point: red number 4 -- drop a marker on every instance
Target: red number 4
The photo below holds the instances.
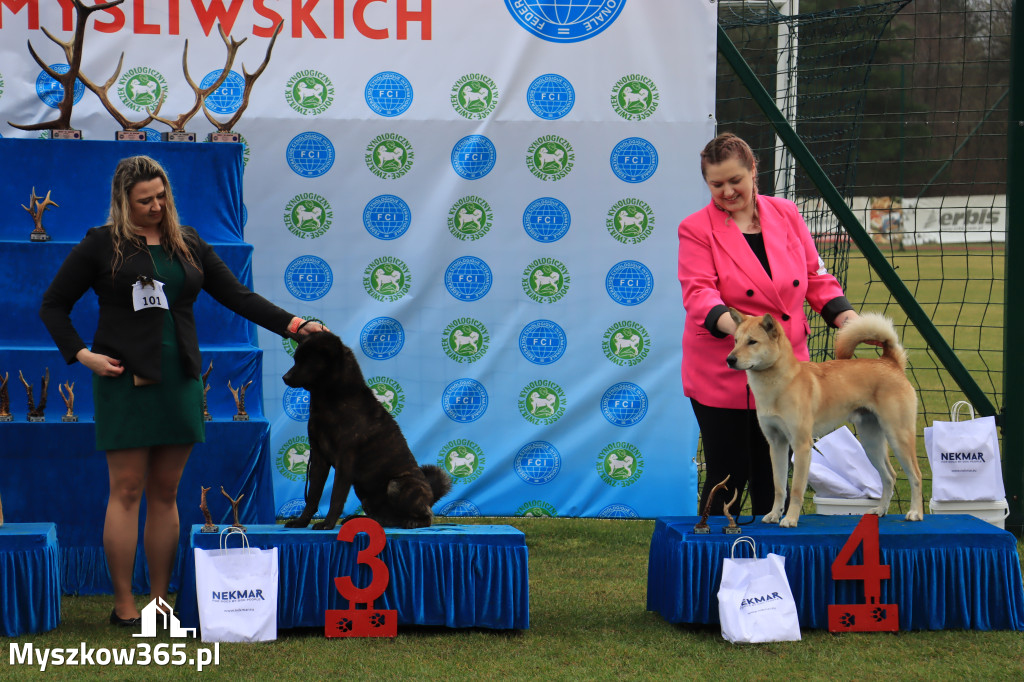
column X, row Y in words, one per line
column 871, row 616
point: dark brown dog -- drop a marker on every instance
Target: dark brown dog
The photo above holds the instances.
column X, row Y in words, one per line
column 350, row 430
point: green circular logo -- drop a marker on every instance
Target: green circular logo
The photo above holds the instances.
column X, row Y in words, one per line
column 546, row 280
column 620, row 464
column 550, row 157
column 465, row 340
column 389, row 156
column 630, row 221
column 462, row 459
column 293, row 458
column 469, row 218
column 387, row 279
column 542, row 402
column 309, row 92
column 474, row 96
column 634, row 97
column 536, row 508
column 308, row 216
column 626, row 343
column 388, row 393
column 142, row 88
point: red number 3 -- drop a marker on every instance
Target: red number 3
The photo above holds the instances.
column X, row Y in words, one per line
column 367, row 557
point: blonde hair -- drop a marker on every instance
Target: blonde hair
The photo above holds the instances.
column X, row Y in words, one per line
column 130, row 172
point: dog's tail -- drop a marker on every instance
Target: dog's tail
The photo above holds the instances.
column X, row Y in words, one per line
column 439, row 480
column 875, row 329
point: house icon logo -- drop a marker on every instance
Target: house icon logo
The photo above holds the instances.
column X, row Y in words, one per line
column 159, row 609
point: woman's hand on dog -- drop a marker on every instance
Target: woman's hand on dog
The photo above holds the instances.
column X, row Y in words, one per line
column 307, row 327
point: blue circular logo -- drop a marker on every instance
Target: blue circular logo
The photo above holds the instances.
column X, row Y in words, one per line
column 296, row 403
column 618, row 511
column 464, row 400
column 228, row 97
column 389, row 93
column 291, row 508
column 245, row 215
column 387, row 217
column 468, row 278
column 308, row 278
column 473, row 157
column 381, row 338
column 459, row 508
column 629, row 282
column 634, row 159
column 546, row 219
column 537, row 462
column 51, row 91
column 624, row 404
column 310, row 154
column 567, row 21
column 151, row 134
column 550, row 96
column 542, row 342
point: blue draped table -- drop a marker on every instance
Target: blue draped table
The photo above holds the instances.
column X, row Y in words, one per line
column 456, row 575
column 949, row 571
column 29, row 578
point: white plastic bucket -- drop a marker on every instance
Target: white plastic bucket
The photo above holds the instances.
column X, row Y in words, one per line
column 993, row 511
column 841, row 506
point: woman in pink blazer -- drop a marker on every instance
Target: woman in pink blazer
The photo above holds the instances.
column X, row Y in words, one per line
column 753, row 253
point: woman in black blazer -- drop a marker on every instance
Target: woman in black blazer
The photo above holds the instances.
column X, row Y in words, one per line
column 146, row 270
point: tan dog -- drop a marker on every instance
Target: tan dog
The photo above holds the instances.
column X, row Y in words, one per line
column 797, row 400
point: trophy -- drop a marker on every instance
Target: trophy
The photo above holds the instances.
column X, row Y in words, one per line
column 732, row 528
column 60, row 128
column 5, row 401
column 130, row 130
column 224, row 133
column 702, row 525
column 239, row 395
column 234, row 508
column 35, row 413
column 206, row 389
column 69, row 401
column 209, row 526
column 36, row 209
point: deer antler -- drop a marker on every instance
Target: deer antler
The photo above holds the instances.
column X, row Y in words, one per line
column 250, row 80
column 178, row 124
column 73, row 50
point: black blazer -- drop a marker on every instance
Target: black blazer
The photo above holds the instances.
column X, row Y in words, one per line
column 134, row 337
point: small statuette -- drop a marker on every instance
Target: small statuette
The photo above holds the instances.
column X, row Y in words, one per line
column 209, row 526
column 36, row 208
column 239, row 395
column 234, row 508
column 69, row 401
column 702, row 526
column 35, row 412
column 206, row 389
column 5, row 401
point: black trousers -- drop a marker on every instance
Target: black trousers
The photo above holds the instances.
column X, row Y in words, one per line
column 735, row 447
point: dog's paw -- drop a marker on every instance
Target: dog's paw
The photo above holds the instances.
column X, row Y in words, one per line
column 788, row 522
column 324, row 525
column 878, row 511
column 772, row 517
column 915, row 515
column 295, row 523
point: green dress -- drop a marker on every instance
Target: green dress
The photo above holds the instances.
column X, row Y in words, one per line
column 165, row 413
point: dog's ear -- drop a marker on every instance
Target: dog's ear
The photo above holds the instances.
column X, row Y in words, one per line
column 736, row 316
column 770, row 326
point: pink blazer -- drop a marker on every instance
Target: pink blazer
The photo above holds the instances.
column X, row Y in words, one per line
column 717, row 266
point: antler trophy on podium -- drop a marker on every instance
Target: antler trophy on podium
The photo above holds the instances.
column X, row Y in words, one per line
column 36, row 208
column 60, row 128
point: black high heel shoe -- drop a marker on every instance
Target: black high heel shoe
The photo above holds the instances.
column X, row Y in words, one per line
column 124, row 622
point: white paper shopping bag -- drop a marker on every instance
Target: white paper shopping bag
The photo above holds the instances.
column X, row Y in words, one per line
column 236, row 590
column 755, row 602
column 964, row 457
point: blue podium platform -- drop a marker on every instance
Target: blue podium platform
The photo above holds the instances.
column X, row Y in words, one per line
column 455, row 575
column 29, row 578
column 948, row 571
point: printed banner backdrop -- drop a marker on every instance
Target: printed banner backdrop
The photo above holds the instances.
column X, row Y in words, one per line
column 481, row 198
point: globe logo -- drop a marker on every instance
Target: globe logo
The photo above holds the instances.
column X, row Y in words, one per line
column 310, row 154
column 387, row 217
column 228, row 96
column 629, row 282
column 537, row 462
column 624, row 404
column 473, row 157
column 634, row 159
column 468, row 278
column 388, row 93
column 459, row 508
column 308, row 278
column 546, row 220
column 381, row 338
column 291, row 509
column 618, row 511
column 550, row 96
column 154, row 136
column 464, row 400
column 542, row 342
column 49, row 89
column 565, row 21
column 296, row 404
